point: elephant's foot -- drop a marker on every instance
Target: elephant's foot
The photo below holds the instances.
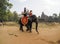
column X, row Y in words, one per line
column 37, row 31
column 21, row 30
column 27, row 30
column 30, row 31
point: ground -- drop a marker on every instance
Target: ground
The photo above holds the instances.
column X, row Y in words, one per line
column 48, row 34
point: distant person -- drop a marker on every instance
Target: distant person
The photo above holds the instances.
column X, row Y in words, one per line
column 25, row 12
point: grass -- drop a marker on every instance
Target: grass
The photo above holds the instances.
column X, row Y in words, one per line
column 9, row 24
column 41, row 25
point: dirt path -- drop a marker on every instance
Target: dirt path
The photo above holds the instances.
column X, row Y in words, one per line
column 12, row 35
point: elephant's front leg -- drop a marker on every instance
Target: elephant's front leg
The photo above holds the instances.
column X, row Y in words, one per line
column 21, row 28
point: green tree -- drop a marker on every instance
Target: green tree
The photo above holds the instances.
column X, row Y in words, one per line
column 59, row 17
column 15, row 16
column 9, row 15
column 55, row 17
column 50, row 19
column 4, row 6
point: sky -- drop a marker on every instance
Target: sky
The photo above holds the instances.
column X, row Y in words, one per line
column 37, row 6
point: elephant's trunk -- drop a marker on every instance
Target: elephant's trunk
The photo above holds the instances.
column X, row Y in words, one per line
column 37, row 27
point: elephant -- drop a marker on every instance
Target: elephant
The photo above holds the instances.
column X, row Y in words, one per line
column 31, row 19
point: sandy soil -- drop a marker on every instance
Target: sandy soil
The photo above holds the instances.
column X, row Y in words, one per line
column 48, row 34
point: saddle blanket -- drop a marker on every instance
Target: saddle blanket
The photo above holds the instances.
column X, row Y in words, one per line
column 24, row 20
